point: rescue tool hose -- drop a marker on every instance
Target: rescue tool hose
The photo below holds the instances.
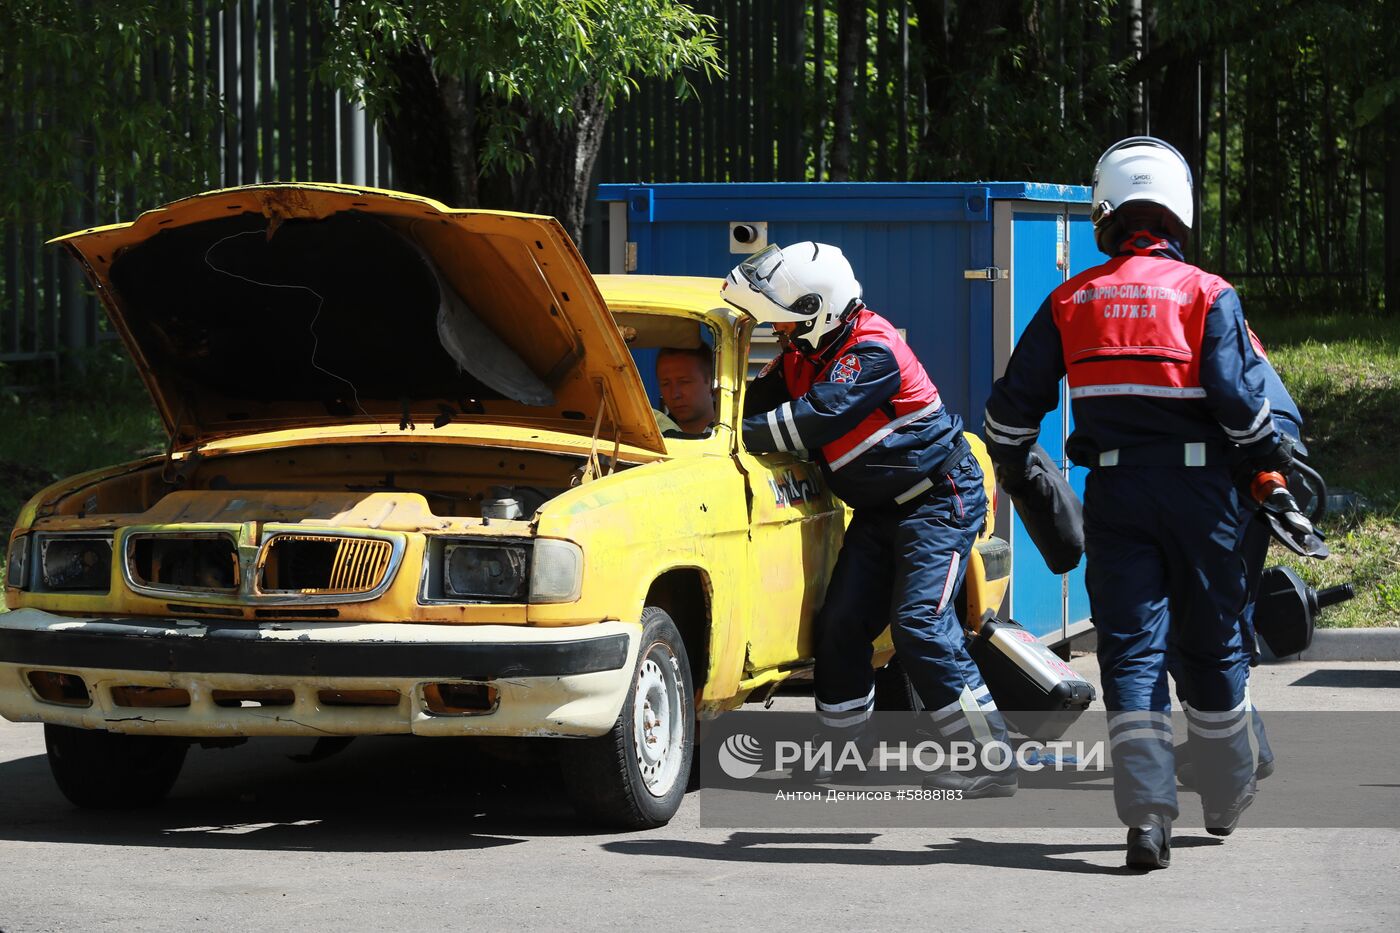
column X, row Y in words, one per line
column 1319, row 489
column 1334, row 595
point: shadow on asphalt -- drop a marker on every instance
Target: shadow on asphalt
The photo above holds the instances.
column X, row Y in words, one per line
column 1350, row 677
column 407, row 794
column 391, row 794
column 846, row 849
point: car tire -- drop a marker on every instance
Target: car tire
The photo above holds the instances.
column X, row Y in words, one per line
column 894, row 693
column 109, row 771
column 635, row 776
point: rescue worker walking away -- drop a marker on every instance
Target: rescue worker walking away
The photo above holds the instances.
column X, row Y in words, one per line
column 1166, row 394
column 1254, row 549
column 847, row 388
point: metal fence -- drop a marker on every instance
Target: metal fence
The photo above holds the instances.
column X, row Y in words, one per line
column 279, row 124
column 750, row 126
column 769, row 119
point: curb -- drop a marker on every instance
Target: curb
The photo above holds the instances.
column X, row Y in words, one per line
column 1352, row 644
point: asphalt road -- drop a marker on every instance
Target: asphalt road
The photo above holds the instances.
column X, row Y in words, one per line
column 413, row 833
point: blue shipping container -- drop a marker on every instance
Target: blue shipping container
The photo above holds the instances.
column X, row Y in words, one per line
column 961, row 268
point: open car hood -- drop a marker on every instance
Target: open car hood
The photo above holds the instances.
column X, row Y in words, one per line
column 279, row 306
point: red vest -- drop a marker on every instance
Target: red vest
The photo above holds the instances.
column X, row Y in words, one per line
column 916, row 397
column 1134, row 325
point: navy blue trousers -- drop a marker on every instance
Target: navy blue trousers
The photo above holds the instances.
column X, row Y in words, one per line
column 1164, row 572
column 1254, row 549
column 902, row 566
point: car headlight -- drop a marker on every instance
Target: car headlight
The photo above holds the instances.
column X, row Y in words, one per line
column 17, row 562
column 556, row 575
column 74, row 563
column 502, row 570
column 487, row 571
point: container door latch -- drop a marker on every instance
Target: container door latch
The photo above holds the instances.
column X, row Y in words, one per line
column 989, row 274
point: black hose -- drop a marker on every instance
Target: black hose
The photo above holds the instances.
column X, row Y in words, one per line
column 1335, row 594
column 1317, row 485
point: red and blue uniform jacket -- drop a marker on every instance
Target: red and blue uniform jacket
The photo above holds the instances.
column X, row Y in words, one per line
column 1287, row 418
column 1156, row 353
column 863, row 404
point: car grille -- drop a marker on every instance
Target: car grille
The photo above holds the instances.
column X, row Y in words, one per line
column 323, row 565
column 183, row 563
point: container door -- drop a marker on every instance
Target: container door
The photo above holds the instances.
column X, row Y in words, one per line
column 1082, row 254
column 1031, row 243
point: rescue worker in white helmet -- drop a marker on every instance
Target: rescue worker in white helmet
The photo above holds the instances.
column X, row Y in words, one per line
column 1166, row 396
column 1254, row 549
column 848, row 389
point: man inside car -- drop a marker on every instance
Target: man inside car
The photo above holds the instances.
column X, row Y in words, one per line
column 686, row 378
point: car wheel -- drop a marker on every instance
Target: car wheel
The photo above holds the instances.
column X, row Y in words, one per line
column 894, row 693
column 635, row 776
column 108, row 770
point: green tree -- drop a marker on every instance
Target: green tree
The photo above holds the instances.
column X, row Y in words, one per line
column 84, row 97
column 501, row 103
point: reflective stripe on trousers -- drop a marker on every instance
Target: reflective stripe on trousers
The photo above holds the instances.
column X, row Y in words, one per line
column 1156, row 538
column 894, row 565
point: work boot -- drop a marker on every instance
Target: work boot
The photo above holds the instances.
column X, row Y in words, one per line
column 1223, row 822
column 1186, row 772
column 1150, row 841
column 975, row 784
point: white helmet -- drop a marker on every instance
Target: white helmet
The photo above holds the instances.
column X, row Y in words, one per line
column 1141, row 168
column 811, row 283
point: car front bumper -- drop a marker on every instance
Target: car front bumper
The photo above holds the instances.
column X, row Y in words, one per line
column 567, row 681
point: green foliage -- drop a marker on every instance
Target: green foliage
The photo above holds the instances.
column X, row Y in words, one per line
column 99, row 417
column 1308, row 81
column 1022, row 97
column 92, row 87
column 1024, row 89
column 1035, row 108
column 1375, row 100
column 1343, row 370
column 526, row 57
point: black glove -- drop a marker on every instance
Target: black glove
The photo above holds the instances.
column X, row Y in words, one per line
column 1271, row 455
column 1049, row 509
column 1012, row 464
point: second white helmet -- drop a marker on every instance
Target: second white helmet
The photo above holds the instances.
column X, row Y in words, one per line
column 809, row 283
column 1141, row 168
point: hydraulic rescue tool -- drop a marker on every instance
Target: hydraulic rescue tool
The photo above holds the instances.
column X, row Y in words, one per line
column 1286, row 608
column 1280, row 509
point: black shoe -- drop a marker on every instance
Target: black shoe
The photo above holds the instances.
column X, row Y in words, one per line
column 1186, row 772
column 975, row 785
column 1223, row 822
column 1150, row 842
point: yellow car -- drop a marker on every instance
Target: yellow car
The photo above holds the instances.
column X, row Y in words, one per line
column 414, row 485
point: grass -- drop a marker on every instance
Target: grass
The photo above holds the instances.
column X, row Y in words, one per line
column 1343, row 370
